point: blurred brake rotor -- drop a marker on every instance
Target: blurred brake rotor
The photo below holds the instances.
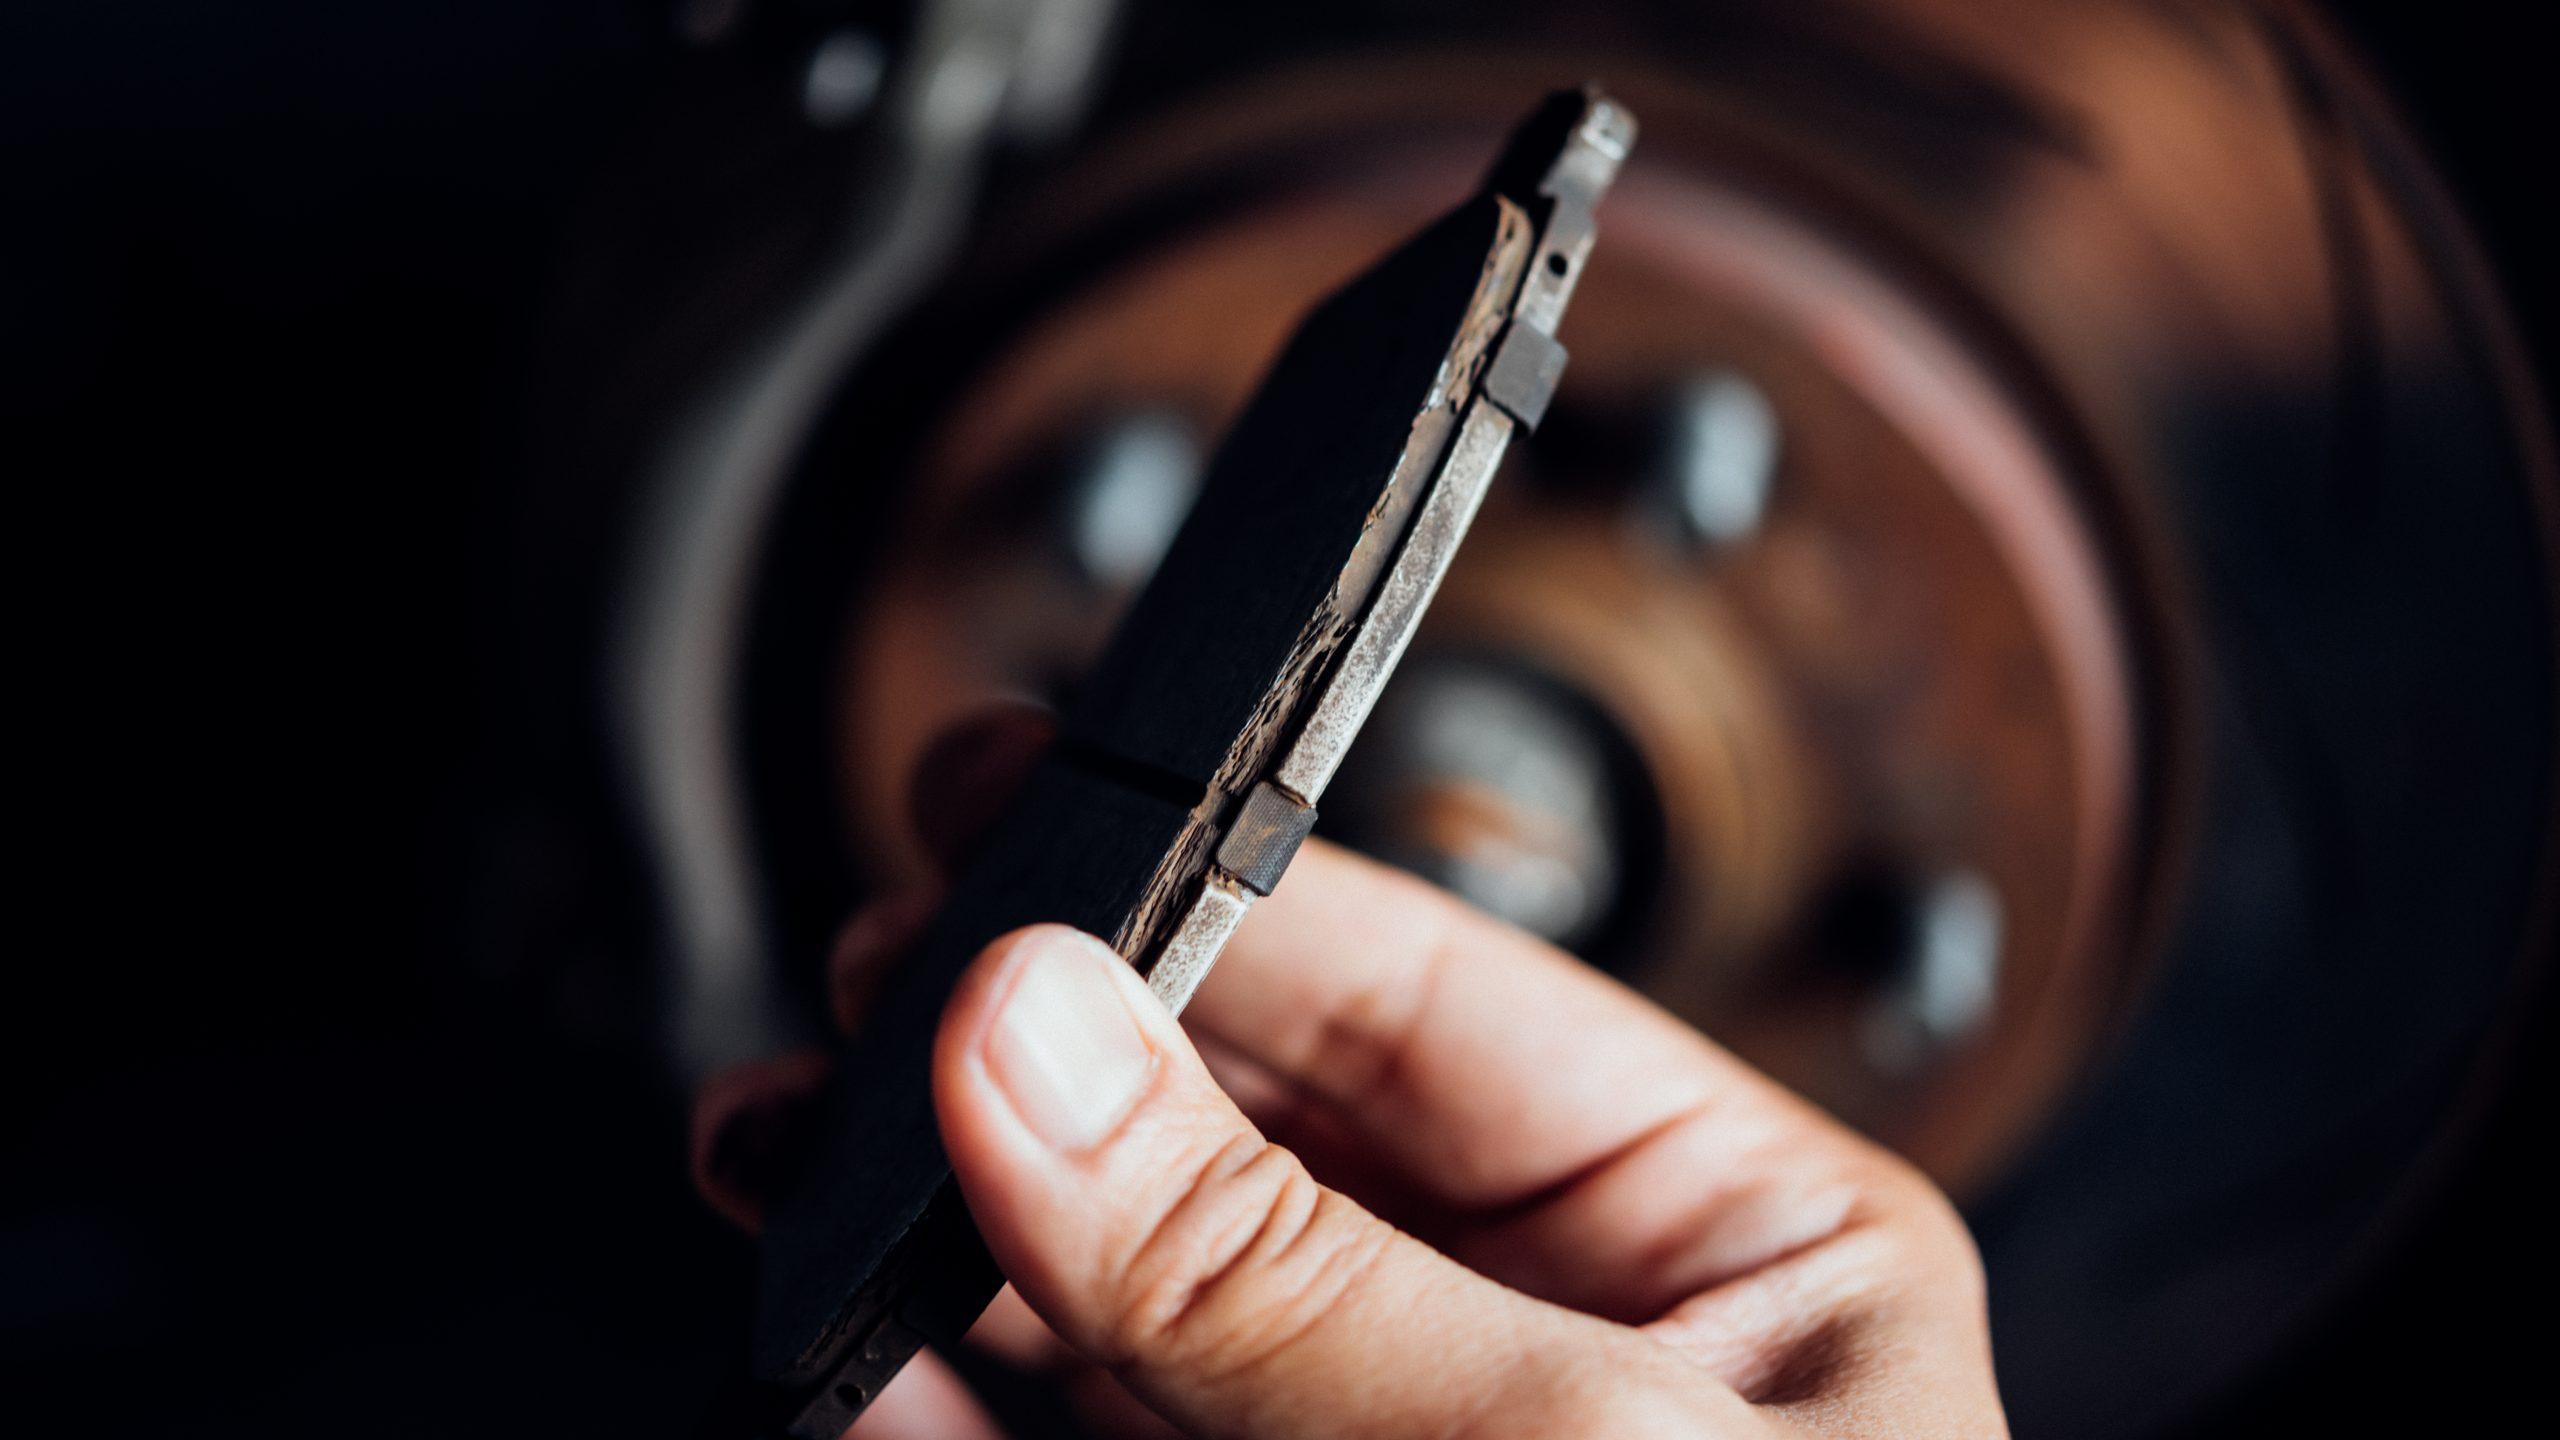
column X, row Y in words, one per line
column 2045, row 537
column 1781, row 676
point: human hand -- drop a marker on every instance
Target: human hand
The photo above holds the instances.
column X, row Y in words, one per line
column 1602, row 1224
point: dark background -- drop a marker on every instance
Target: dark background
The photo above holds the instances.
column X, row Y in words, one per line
column 328, row 1011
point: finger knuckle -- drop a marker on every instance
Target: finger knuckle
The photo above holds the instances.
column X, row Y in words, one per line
column 1906, row 1243
column 1248, row 1258
column 1930, row 1239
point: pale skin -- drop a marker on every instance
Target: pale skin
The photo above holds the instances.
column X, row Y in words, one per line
column 1400, row 1170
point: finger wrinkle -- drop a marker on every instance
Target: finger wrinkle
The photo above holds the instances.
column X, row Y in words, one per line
column 1285, row 1219
column 1746, row 1331
column 1597, row 1169
column 1328, row 1256
column 1675, row 1210
column 1157, row 1277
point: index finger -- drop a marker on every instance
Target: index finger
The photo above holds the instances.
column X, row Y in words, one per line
column 1486, row 1065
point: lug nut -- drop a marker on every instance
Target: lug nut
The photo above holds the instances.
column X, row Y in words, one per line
column 843, row 78
column 1719, row 458
column 1130, row 489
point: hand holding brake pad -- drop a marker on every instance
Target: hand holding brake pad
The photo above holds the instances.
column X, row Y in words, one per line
column 1188, row 770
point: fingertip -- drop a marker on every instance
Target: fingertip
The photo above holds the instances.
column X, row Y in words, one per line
column 981, row 987
column 1048, row 1028
column 747, row 1121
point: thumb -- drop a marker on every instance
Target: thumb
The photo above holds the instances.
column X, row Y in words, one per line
column 1137, row 1210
